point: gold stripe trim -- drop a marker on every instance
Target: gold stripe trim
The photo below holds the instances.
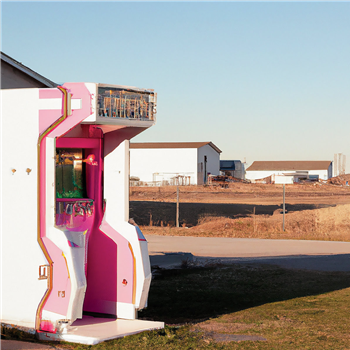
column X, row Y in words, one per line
column 66, row 264
column 39, row 238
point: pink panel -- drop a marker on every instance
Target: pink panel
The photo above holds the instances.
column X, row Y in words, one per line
column 58, row 301
column 59, row 297
column 50, row 93
column 78, row 91
column 74, row 223
column 47, row 326
column 110, row 262
column 42, row 187
column 67, row 124
column 47, row 118
column 125, row 264
column 101, row 274
column 77, row 142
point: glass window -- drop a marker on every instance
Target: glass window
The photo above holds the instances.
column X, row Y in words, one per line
column 70, row 173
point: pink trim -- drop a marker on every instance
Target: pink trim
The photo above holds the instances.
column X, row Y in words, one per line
column 71, row 199
column 47, row 118
column 42, row 186
column 50, row 93
column 76, row 142
column 60, row 281
column 58, row 131
column 57, row 301
column 110, row 261
column 75, row 223
column 78, row 91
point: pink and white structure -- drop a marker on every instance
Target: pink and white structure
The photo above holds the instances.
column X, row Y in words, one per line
column 73, row 268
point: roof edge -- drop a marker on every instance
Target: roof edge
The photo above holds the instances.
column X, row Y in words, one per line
column 258, row 165
column 185, row 144
column 11, row 61
column 217, row 149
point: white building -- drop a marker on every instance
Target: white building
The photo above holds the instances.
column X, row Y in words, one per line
column 174, row 162
column 289, row 171
column 65, row 156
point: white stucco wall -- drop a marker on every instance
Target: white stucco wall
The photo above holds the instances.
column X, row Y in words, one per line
column 167, row 162
column 281, row 179
column 116, row 183
column 255, row 175
column 21, row 291
column 322, row 174
column 213, row 162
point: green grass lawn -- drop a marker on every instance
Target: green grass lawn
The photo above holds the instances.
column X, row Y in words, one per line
column 291, row 309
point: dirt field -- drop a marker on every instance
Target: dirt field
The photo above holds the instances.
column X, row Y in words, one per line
column 259, row 194
column 313, row 211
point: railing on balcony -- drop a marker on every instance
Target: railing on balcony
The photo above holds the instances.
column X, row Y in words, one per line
column 116, row 102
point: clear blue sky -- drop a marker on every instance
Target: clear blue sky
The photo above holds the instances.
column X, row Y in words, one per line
column 263, row 81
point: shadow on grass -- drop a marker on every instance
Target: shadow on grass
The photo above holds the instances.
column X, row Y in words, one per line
column 194, row 294
column 190, row 213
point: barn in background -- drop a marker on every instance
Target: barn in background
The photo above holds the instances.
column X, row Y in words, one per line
column 289, row 171
column 174, row 163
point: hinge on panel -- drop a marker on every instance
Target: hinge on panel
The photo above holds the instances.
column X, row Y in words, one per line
column 44, row 271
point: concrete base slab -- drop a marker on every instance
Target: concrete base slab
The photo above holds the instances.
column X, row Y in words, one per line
column 91, row 330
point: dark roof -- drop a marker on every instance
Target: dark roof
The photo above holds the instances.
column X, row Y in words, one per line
column 173, row 145
column 290, row 165
column 229, row 164
column 26, row 70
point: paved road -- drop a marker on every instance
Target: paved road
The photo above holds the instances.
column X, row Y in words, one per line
column 167, row 251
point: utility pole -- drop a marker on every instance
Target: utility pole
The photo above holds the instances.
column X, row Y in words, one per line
column 284, row 205
column 177, row 206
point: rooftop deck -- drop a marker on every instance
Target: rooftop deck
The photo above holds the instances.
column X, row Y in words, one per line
column 125, row 103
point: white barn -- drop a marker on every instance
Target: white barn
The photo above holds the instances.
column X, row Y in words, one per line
column 289, row 171
column 174, row 162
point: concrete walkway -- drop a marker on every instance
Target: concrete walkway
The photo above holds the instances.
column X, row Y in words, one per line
column 168, row 251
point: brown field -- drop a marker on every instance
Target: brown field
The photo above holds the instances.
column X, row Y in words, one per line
column 313, row 211
column 313, row 193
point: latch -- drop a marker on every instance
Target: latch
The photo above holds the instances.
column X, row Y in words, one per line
column 44, row 271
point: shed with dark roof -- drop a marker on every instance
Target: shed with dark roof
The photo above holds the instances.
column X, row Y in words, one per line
column 233, row 168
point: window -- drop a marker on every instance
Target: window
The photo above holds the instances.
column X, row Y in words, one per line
column 70, row 173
